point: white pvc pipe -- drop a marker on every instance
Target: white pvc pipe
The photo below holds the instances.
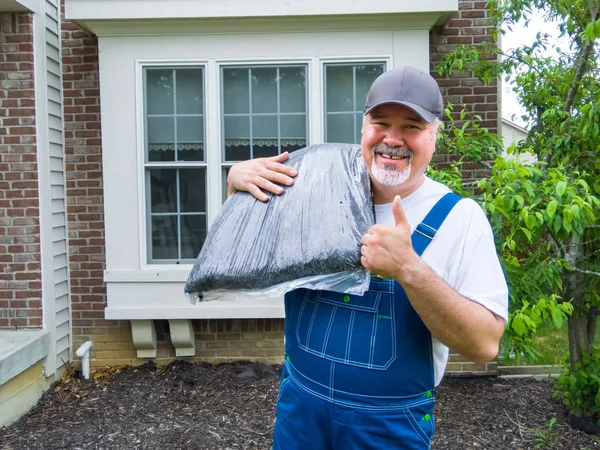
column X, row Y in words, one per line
column 84, row 353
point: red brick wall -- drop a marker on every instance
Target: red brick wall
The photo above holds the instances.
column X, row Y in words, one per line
column 469, row 26
column 20, row 274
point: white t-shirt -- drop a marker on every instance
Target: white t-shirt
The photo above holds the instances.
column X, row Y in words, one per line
column 462, row 253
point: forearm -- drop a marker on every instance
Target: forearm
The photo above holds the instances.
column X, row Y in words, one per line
column 459, row 323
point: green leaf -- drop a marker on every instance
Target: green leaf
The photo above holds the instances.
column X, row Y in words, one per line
column 519, row 200
column 561, row 188
column 551, row 208
column 556, row 224
column 526, row 232
column 530, row 222
column 519, row 325
column 557, row 317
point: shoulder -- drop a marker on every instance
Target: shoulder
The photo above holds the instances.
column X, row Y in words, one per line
column 468, row 216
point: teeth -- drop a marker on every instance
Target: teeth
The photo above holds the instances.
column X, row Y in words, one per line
column 388, row 156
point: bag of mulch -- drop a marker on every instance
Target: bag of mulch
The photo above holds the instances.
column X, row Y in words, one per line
column 307, row 237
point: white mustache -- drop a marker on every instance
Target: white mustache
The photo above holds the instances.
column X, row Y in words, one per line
column 382, row 148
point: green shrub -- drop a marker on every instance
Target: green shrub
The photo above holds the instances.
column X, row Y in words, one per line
column 580, row 388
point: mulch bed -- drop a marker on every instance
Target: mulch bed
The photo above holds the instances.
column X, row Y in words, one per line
column 232, row 406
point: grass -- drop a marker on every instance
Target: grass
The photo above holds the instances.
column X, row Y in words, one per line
column 553, row 344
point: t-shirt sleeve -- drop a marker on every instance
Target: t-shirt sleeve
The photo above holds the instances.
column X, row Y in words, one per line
column 479, row 275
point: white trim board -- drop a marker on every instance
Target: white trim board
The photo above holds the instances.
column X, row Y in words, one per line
column 85, row 10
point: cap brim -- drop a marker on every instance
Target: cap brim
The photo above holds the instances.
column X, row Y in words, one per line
column 427, row 116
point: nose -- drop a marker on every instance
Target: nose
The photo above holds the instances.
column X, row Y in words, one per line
column 393, row 138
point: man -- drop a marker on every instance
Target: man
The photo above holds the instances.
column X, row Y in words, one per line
column 360, row 371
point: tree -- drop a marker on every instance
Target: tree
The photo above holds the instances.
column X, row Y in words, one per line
column 546, row 214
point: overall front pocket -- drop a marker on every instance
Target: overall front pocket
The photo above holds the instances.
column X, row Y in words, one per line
column 350, row 329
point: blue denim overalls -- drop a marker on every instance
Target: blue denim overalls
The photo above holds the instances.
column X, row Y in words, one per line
column 358, row 371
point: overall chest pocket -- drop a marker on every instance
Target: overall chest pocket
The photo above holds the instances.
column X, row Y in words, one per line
column 350, row 329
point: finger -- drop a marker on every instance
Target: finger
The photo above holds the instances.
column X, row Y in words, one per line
column 257, row 193
column 398, row 212
column 276, row 176
column 266, row 185
column 279, row 158
column 281, row 168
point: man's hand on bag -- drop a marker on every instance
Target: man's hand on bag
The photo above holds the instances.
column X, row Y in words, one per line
column 261, row 174
column 387, row 251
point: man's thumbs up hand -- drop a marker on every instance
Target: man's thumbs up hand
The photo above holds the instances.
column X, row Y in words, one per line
column 386, row 251
column 398, row 212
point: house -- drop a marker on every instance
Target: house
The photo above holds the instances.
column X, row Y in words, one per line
column 512, row 134
column 119, row 122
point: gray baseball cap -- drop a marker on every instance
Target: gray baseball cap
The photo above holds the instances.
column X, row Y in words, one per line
column 409, row 87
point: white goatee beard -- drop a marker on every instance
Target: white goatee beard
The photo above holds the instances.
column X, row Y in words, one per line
column 388, row 175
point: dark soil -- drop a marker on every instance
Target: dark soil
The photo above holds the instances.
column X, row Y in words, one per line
column 232, row 406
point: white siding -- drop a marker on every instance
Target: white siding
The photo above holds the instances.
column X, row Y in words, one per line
column 55, row 276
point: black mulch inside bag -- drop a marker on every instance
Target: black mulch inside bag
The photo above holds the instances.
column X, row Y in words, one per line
column 314, row 228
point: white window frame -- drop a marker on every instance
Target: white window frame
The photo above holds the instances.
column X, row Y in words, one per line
column 214, row 161
column 387, row 65
column 254, row 62
column 143, row 186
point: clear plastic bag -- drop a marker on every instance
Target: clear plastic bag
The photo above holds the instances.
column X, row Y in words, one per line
column 307, row 237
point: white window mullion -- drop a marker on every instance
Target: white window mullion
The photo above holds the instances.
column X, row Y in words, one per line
column 315, row 107
column 213, row 147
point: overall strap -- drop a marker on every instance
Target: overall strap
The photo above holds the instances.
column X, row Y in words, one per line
column 426, row 230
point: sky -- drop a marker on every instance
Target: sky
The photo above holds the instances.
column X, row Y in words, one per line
column 522, row 34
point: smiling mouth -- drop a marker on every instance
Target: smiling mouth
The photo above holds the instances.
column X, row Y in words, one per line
column 392, row 156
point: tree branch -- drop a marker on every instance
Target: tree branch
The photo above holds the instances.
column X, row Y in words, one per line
column 560, row 248
column 583, row 56
column 585, row 272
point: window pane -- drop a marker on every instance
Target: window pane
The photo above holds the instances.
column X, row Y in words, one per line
column 340, row 128
column 161, row 152
column 292, row 145
column 193, row 233
column 236, row 95
column 292, row 82
column 293, row 126
column 346, row 87
column 163, row 194
column 190, row 129
column 161, row 130
column 264, row 149
column 358, row 120
column 339, row 88
column 365, row 75
column 237, row 138
column 190, row 138
column 237, row 127
column 264, row 130
column 264, row 90
column 164, row 237
column 192, row 190
column 264, row 127
column 159, row 91
column 190, row 96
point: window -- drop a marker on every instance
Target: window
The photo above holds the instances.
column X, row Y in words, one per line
column 346, row 87
column 264, row 111
column 175, row 163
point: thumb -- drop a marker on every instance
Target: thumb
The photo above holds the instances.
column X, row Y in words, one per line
column 398, row 212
